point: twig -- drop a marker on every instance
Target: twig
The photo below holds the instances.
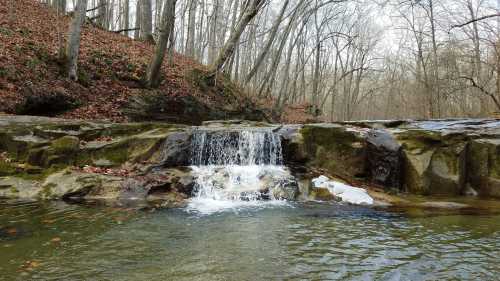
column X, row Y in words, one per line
column 98, row 7
column 126, row 29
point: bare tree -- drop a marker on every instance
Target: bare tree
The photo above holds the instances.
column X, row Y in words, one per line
column 73, row 42
column 250, row 9
column 166, row 34
column 146, row 27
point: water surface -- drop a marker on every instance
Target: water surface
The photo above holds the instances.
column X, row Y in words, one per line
column 302, row 241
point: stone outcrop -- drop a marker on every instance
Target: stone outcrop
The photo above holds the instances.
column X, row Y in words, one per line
column 39, row 159
column 484, row 167
column 43, row 157
column 441, row 157
column 383, row 159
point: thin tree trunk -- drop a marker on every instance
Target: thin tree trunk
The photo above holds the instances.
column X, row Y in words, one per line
column 146, row 33
column 73, row 44
column 212, row 33
column 101, row 14
column 126, row 16
column 137, row 32
column 269, row 43
column 251, row 10
column 167, row 23
column 191, row 28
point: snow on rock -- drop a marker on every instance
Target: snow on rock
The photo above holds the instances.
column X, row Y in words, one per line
column 346, row 193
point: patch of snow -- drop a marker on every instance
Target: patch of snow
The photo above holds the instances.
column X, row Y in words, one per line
column 347, row 193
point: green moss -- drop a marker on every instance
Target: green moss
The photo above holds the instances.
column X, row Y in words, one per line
column 6, row 169
column 14, row 190
column 334, row 148
column 44, row 173
column 66, row 144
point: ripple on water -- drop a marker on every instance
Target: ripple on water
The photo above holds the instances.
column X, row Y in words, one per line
column 296, row 242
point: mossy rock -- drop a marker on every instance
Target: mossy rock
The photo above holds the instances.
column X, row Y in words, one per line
column 483, row 158
column 6, row 169
column 433, row 163
column 336, row 148
column 136, row 148
column 15, row 187
column 66, row 144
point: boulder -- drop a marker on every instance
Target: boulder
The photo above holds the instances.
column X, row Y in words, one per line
column 286, row 189
column 292, row 143
column 483, row 162
column 384, row 158
column 339, row 149
column 175, row 150
column 14, row 187
column 433, row 162
column 69, row 184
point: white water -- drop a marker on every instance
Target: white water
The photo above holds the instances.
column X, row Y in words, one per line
column 235, row 170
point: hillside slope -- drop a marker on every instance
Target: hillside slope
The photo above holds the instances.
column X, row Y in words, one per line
column 111, row 67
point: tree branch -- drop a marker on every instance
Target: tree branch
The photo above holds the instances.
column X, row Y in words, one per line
column 97, row 7
column 474, row 20
column 125, row 30
column 482, row 90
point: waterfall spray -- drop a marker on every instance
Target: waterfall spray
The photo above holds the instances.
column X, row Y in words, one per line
column 235, row 168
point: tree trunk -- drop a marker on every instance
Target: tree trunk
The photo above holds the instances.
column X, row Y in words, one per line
column 146, row 32
column 435, row 79
column 167, row 23
column 126, row 17
column 477, row 55
column 212, row 30
column 101, row 14
column 137, row 32
column 251, row 10
column 73, row 44
column 497, row 53
column 60, row 5
column 268, row 45
column 191, row 28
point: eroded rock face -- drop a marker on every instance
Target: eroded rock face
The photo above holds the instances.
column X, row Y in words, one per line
column 384, row 158
column 46, row 142
column 176, row 150
column 332, row 147
column 434, row 162
column 445, row 157
column 484, row 167
column 452, row 157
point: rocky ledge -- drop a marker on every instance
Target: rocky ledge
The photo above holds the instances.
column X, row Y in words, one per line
column 438, row 157
column 47, row 158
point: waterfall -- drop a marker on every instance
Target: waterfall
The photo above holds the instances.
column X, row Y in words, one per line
column 244, row 148
column 236, row 168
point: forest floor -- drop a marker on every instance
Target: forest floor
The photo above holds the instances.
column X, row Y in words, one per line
column 111, row 68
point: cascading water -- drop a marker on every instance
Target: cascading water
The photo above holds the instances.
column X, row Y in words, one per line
column 238, row 168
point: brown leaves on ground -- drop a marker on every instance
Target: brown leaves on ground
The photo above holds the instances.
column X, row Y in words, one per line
column 111, row 67
column 105, row 171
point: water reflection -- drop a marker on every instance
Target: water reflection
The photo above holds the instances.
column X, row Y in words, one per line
column 303, row 242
